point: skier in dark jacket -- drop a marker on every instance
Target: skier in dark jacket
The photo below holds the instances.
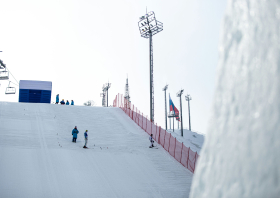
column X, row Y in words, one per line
column 152, row 141
column 62, row 102
column 75, row 134
column 72, row 102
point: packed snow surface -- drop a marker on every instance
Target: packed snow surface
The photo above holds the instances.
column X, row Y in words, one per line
column 38, row 158
column 241, row 157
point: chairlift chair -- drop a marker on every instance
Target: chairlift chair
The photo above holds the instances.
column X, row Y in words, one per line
column 10, row 90
column 4, row 75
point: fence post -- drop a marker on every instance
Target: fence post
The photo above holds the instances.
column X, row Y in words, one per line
column 146, row 123
column 156, row 130
column 142, row 121
column 169, row 141
column 138, row 118
column 164, row 139
column 175, row 146
column 188, row 158
column 195, row 161
column 181, row 153
column 151, row 127
column 159, row 135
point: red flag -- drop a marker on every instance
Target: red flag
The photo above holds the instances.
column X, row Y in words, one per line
column 176, row 111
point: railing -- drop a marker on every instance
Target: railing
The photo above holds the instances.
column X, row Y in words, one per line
column 178, row 150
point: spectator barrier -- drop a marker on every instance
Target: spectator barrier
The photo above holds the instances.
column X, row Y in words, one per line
column 178, row 150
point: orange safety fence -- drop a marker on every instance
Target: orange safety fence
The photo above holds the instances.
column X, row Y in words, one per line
column 178, row 150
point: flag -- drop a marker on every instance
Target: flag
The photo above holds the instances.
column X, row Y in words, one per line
column 173, row 108
column 171, row 105
column 176, row 111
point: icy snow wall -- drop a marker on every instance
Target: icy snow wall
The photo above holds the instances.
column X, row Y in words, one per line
column 240, row 156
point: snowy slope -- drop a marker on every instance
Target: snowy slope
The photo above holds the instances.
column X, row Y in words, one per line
column 38, row 159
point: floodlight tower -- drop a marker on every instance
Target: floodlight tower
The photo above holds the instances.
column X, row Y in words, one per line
column 103, row 95
column 179, row 94
column 188, row 98
column 105, row 90
column 164, row 89
column 126, row 95
column 149, row 26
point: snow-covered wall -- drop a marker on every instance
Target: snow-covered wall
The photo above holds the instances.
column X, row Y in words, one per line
column 240, row 157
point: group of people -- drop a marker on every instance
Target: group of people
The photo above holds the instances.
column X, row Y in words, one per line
column 62, row 102
column 75, row 136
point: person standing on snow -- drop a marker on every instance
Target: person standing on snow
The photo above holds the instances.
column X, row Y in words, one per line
column 75, row 134
column 86, row 138
column 67, row 102
column 57, row 99
column 152, row 141
column 72, row 102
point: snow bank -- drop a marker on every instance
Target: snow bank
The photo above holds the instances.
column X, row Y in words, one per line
column 240, row 157
column 190, row 139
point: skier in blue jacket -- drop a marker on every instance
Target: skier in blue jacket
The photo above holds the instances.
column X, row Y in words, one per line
column 75, row 134
column 57, row 99
column 67, row 102
column 72, row 102
column 86, row 138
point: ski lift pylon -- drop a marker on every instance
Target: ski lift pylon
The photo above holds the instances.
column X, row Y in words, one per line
column 10, row 90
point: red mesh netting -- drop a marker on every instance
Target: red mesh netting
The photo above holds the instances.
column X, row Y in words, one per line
column 149, row 127
column 192, row 160
column 178, row 150
column 185, row 156
column 162, row 137
column 166, row 141
column 172, row 145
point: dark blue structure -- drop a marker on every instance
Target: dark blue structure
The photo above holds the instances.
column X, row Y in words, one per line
column 34, row 96
column 35, row 91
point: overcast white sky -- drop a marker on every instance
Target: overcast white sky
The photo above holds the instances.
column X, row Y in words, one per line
column 80, row 45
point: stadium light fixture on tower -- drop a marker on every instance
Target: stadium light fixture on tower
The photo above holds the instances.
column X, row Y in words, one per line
column 179, row 94
column 188, row 98
column 149, row 26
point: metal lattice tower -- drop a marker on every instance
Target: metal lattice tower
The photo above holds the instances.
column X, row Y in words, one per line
column 149, row 26
column 103, row 95
column 126, row 95
column 105, row 89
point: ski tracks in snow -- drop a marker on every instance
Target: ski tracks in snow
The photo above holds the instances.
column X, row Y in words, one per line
column 48, row 166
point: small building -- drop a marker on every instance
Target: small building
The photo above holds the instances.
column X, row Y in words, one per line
column 35, row 91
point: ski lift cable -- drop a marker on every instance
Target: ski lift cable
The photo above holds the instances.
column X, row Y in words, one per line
column 13, row 76
column 14, row 83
